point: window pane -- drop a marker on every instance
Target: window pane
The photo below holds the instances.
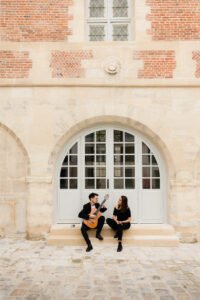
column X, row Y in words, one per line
column 73, row 160
column 129, row 183
column 73, row 172
column 101, row 148
column 145, row 149
column 73, row 183
column 100, row 159
column 64, row 172
column 129, row 159
column 130, row 148
column 63, row 183
column 155, row 172
column 118, row 159
column 89, row 172
column 154, row 161
column 118, row 184
column 96, row 8
column 118, row 172
column 89, row 160
column 101, row 136
column 96, row 32
column 130, row 172
column 120, row 8
column 100, row 183
column 74, row 149
column 146, row 172
column 120, row 32
column 100, row 172
column 65, row 161
column 129, row 137
column 89, row 184
column 146, row 183
column 118, row 148
column 89, row 138
column 118, row 136
column 146, row 160
column 155, row 183
column 89, row 148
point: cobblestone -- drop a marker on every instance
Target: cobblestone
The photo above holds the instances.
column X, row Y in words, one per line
column 35, row 271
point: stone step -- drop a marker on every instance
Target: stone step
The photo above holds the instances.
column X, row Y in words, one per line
column 149, row 240
column 136, row 229
column 162, row 235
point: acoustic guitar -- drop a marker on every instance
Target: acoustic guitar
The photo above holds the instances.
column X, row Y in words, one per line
column 92, row 223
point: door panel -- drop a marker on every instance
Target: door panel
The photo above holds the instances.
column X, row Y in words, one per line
column 151, row 208
column 69, row 206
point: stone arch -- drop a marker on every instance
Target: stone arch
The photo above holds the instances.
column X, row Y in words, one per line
column 125, row 122
column 14, row 168
column 118, row 120
column 17, row 139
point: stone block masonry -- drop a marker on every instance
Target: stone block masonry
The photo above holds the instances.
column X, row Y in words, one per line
column 14, row 64
column 173, row 20
column 67, row 64
column 157, row 64
column 38, row 20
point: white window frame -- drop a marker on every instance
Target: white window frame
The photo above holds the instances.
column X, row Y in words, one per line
column 108, row 20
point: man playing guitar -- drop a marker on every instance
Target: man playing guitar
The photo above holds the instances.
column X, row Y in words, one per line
column 92, row 218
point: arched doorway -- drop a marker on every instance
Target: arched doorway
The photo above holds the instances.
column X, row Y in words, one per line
column 114, row 160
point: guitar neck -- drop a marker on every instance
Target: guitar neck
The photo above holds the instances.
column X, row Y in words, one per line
column 100, row 206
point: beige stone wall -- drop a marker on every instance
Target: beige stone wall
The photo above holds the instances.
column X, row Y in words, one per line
column 97, row 83
column 44, row 119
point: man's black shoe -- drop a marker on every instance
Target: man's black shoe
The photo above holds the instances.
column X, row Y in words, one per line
column 119, row 248
column 89, row 248
column 99, row 237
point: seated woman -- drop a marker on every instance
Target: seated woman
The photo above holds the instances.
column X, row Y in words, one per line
column 121, row 219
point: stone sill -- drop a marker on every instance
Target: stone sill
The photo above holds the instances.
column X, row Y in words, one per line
column 64, row 82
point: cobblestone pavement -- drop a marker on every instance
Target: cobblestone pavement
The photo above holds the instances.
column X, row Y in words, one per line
column 34, row 271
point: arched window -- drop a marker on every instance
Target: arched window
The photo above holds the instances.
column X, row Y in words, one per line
column 112, row 161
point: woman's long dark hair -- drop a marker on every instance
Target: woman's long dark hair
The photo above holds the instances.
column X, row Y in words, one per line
column 124, row 205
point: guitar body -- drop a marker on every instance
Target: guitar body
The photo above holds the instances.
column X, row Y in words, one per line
column 92, row 223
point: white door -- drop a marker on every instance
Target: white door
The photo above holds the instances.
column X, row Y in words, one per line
column 117, row 162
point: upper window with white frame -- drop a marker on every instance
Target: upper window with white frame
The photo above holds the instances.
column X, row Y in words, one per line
column 108, row 20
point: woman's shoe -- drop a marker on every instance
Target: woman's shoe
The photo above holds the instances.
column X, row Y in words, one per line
column 89, row 248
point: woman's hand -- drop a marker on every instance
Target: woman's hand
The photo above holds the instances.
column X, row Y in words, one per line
column 118, row 222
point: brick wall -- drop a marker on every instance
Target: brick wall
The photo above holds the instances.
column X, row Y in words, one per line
column 68, row 63
column 14, row 64
column 38, row 20
column 196, row 56
column 157, row 64
column 174, row 19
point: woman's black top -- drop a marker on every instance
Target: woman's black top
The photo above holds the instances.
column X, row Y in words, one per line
column 122, row 216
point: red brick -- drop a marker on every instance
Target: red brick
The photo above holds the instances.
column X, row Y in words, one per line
column 157, row 64
column 196, row 56
column 14, row 64
column 38, row 20
column 174, row 19
column 67, row 64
